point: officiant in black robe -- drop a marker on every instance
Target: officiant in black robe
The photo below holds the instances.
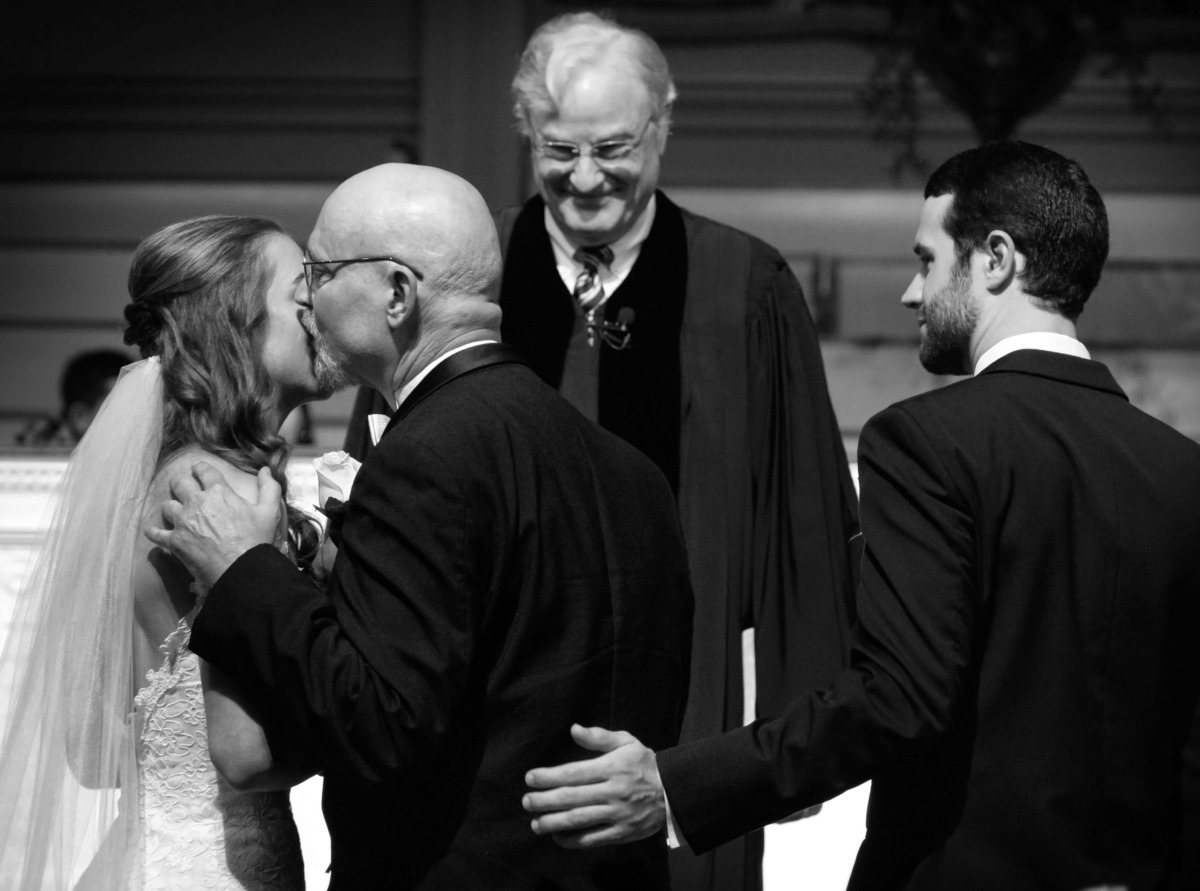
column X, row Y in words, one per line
column 722, row 385
column 703, row 354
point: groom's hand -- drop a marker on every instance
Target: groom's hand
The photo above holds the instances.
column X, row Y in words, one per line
column 208, row 525
column 615, row 798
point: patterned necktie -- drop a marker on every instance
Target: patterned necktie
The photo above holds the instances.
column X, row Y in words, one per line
column 588, row 290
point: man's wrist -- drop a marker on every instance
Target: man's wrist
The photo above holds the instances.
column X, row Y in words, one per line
column 227, row 553
column 212, row 570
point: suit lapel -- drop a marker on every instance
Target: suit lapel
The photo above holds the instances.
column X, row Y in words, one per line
column 1059, row 367
column 457, row 365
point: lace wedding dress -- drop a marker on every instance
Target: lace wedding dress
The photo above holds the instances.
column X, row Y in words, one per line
column 196, row 831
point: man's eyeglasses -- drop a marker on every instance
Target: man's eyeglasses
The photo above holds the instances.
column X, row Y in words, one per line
column 318, row 272
column 607, row 152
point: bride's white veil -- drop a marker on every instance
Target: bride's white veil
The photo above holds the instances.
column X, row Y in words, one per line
column 66, row 675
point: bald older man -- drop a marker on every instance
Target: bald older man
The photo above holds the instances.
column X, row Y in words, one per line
column 506, row 568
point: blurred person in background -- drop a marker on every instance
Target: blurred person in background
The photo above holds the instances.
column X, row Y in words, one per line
column 86, row 381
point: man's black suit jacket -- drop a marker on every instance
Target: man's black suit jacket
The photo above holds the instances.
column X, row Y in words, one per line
column 506, row 568
column 1024, row 669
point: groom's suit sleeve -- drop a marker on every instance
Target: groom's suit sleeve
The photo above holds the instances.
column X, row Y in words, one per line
column 367, row 677
column 910, row 655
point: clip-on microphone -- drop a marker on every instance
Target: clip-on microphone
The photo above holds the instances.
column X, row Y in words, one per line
column 618, row 334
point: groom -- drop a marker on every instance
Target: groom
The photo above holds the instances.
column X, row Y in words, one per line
column 506, row 568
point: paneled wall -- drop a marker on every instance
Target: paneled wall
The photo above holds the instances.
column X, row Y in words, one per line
column 65, row 249
column 218, row 91
column 119, row 119
column 115, row 122
column 850, row 248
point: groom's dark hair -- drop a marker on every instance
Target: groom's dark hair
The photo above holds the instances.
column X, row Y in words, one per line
column 1044, row 201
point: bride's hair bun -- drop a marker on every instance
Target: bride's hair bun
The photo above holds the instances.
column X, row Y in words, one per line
column 172, row 264
column 145, row 323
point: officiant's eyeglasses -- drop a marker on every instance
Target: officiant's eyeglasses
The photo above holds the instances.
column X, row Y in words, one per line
column 608, row 152
column 318, row 272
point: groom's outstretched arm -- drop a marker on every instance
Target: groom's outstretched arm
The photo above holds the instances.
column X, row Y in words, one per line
column 614, row 798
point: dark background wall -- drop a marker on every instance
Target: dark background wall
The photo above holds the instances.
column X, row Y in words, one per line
column 790, row 123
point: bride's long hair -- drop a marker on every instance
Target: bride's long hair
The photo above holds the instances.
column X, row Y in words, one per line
column 198, row 302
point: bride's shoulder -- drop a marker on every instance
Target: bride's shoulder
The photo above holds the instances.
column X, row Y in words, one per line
column 182, row 466
column 162, row 588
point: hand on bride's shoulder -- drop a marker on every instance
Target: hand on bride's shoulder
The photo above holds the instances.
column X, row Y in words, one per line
column 163, row 585
column 213, row 513
column 180, row 466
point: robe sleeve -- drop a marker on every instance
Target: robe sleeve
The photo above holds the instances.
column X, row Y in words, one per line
column 802, row 512
column 912, row 650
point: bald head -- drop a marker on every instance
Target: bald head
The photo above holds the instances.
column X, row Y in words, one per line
column 430, row 219
column 383, row 321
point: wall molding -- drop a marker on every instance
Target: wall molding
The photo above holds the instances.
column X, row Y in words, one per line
column 861, row 223
column 764, row 104
column 104, row 127
column 108, row 102
column 729, row 102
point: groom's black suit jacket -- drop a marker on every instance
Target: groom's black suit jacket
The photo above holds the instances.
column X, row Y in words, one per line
column 1024, row 668
column 506, row 568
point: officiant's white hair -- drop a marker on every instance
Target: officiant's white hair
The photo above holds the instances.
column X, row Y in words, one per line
column 573, row 42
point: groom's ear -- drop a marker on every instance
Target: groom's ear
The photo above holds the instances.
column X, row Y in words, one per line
column 402, row 301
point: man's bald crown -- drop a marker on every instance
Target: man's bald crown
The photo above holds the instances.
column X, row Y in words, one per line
column 429, row 218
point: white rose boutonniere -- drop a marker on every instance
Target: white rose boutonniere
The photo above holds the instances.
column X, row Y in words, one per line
column 335, row 476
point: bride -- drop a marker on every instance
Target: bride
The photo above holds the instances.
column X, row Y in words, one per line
column 127, row 763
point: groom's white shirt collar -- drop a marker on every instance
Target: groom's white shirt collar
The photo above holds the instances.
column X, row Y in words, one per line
column 1035, row 340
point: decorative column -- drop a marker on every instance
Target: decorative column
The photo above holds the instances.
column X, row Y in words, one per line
column 469, row 53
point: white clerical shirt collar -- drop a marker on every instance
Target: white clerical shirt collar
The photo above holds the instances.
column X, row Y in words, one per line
column 625, row 251
column 1035, row 340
